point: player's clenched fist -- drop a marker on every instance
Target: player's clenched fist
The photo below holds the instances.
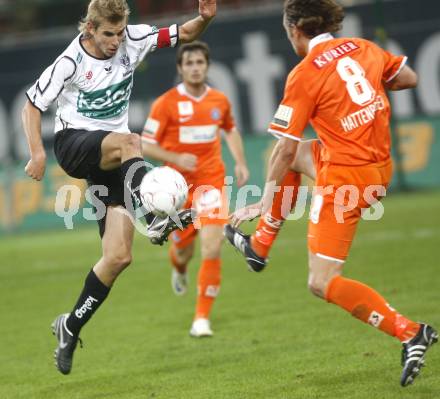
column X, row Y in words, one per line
column 35, row 168
column 207, row 8
column 187, row 162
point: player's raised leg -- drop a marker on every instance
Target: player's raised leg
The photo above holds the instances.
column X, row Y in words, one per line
column 116, row 256
column 366, row 304
column 125, row 150
column 256, row 248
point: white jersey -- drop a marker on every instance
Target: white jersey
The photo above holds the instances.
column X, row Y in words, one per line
column 92, row 93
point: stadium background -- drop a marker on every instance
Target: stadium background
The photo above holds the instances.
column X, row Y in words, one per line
column 251, row 58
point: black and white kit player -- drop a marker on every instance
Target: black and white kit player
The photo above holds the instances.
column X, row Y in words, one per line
column 92, row 97
column 91, row 82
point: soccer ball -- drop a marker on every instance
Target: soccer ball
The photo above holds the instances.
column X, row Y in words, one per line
column 164, row 191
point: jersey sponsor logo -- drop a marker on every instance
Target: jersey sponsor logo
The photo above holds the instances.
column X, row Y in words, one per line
column 185, row 108
column 105, row 103
column 197, row 134
column 363, row 116
column 283, row 116
column 215, row 114
column 333, row 54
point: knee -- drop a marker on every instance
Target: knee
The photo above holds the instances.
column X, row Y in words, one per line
column 132, row 140
column 119, row 260
column 212, row 249
column 184, row 255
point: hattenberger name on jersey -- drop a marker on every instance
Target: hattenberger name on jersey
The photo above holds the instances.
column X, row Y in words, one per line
column 363, row 116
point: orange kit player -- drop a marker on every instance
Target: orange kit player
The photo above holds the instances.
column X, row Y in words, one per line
column 339, row 87
column 183, row 131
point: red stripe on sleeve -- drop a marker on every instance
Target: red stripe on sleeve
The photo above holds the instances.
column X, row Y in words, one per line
column 163, row 39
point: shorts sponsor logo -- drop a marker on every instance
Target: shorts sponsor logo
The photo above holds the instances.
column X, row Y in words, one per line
column 105, row 103
column 79, row 313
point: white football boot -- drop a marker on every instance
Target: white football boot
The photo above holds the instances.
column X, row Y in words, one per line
column 179, row 282
column 201, row 328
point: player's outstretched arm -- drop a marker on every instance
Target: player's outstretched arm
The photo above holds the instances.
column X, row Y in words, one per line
column 281, row 158
column 406, row 79
column 185, row 161
column 192, row 29
column 235, row 144
column 31, row 117
column 280, row 161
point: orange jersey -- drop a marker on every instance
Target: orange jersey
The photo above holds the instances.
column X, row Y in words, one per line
column 179, row 122
column 339, row 88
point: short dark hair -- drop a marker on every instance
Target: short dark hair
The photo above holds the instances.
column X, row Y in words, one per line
column 314, row 17
column 193, row 46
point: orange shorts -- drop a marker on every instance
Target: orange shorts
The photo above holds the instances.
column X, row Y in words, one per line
column 341, row 194
column 211, row 205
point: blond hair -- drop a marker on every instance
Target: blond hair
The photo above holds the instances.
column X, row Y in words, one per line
column 112, row 11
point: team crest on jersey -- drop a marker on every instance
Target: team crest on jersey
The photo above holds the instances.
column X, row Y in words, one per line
column 89, row 75
column 126, row 63
column 215, row 114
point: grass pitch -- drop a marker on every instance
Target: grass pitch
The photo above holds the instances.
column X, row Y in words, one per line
column 272, row 338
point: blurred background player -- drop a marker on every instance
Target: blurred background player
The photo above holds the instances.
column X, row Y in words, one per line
column 183, row 131
column 340, row 87
column 92, row 82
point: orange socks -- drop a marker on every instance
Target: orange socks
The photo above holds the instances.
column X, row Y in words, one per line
column 369, row 306
column 208, row 286
column 269, row 224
